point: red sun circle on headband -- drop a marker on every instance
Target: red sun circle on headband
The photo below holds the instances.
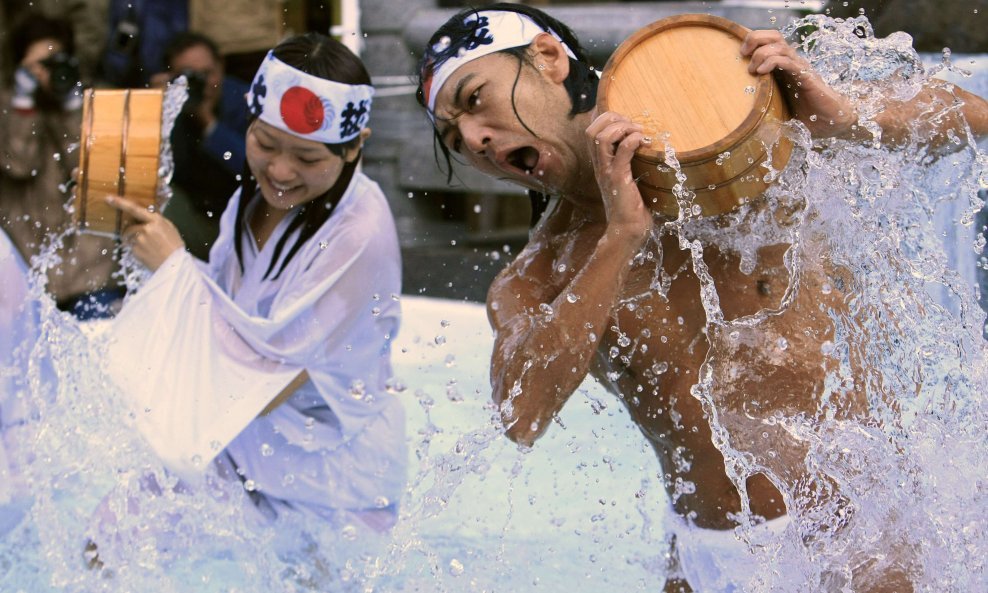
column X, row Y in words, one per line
column 301, row 110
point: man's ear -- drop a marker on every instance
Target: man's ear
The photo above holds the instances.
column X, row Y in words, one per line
column 549, row 57
column 351, row 154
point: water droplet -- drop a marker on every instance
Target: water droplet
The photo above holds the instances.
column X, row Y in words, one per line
column 376, row 311
column 440, row 340
column 349, row 533
column 250, row 485
column 227, row 155
column 749, row 90
column 572, row 298
column 455, row 567
column 266, row 450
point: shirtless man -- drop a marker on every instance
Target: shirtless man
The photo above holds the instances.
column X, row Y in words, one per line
column 510, row 93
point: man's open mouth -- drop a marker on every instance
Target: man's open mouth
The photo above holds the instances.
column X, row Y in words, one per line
column 524, row 158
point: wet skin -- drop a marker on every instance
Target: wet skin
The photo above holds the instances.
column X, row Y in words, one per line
column 653, row 344
column 592, row 261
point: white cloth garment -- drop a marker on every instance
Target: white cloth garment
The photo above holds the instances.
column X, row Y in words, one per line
column 718, row 561
column 203, row 348
column 16, row 320
column 18, row 330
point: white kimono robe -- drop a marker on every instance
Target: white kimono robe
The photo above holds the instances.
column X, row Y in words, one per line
column 202, row 349
column 18, row 328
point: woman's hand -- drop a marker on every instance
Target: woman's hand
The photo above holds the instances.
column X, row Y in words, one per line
column 151, row 236
column 812, row 101
column 613, row 141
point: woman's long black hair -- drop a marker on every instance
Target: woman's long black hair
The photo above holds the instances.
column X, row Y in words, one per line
column 580, row 84
column 327, row 58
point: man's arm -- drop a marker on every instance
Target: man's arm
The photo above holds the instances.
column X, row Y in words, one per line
column 940, row 110
column 546, row 335
column 546, row 338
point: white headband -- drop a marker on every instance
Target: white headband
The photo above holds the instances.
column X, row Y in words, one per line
column 308, row 106
column 496, row 31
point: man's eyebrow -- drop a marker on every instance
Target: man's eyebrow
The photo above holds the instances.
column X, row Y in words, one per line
column 456, row 106
column 458, row 92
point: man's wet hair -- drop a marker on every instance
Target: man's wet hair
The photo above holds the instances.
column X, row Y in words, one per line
column 322, row 56
column 580, row 84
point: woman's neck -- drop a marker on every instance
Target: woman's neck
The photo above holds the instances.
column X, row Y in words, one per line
column 263, row 221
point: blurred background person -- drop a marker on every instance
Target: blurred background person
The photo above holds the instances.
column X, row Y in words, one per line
column 88, row 19
column 207, row 140
column 138, row 32
column 38, row 135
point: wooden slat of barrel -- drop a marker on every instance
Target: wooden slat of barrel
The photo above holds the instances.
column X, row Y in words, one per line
column 143, row 147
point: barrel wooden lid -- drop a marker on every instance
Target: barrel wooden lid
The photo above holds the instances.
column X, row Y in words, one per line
column 684, row 76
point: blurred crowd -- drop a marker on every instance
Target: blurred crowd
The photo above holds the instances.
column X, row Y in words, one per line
column 53, row 49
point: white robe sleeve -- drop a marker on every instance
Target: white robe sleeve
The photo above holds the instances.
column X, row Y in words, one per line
column 191, row 381
column 18, row 327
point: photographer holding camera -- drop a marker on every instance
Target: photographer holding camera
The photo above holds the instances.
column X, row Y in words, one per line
column 38, row 132
column 208, row 139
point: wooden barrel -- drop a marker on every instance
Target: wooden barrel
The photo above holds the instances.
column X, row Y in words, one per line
column 119, row 154
column 684, row 80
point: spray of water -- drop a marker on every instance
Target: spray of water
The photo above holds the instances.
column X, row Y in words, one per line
column 885, row 467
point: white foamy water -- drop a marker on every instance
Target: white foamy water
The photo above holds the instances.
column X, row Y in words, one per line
column 583, row 509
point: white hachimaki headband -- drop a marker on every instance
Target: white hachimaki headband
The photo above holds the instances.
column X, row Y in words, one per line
column 308, row 106
column 495, row 31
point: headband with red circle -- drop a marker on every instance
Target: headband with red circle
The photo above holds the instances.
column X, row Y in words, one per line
column 308, row 106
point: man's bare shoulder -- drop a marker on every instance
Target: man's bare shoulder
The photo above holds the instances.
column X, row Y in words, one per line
column 531, row 276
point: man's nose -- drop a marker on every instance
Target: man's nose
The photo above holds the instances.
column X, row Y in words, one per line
column 476, row 137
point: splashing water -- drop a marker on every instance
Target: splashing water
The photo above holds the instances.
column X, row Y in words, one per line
column 898, row 487
column 583, row 508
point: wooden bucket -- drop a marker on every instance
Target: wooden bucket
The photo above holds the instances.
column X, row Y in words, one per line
column 684, row 80
column 119, row 152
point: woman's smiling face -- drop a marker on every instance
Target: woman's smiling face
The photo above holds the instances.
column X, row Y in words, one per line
column 290, row 171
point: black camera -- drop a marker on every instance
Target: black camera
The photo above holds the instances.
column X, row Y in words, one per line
column 197, row 88
column 63, row 73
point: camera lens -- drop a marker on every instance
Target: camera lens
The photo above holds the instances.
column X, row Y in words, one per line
column 197, row 88
column 63, row 71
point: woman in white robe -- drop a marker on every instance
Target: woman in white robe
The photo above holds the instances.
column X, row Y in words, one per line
column 272, row 360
